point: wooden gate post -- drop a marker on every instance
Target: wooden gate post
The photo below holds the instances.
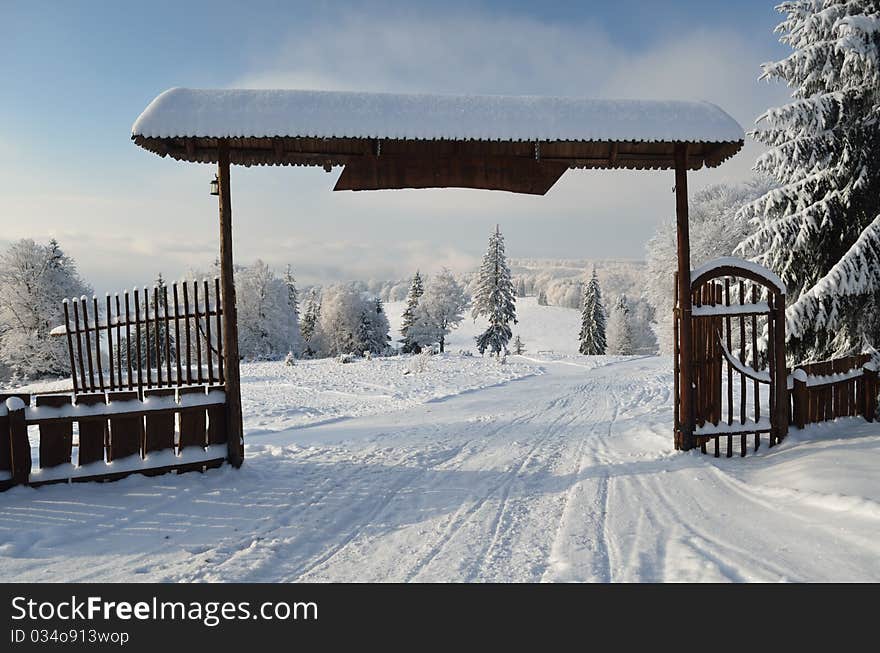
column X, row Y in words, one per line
column 869, row 385
column 20, row 446
column 781, row 399
column 684, row 298
column 235, row 439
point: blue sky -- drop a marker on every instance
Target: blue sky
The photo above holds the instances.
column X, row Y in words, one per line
column 76, row 75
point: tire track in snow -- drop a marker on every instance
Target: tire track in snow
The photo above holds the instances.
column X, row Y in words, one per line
column 462, row 518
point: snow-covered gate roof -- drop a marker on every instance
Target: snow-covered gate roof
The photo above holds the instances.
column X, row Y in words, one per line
column 516, row 143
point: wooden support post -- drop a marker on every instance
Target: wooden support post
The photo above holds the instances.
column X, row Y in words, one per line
column 870, row 389
column 780, row 405
column 684, row 298
column 801, row 401
column 235, row 439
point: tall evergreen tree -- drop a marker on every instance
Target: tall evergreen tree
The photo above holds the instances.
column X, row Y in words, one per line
column 292, row 292
column 410, row 315
column 592, row 334
column 311, row 314
column 149, row 344
column 494, row 297
column 820, row 230
column 518, row 345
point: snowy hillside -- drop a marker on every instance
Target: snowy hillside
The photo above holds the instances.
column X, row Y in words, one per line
column 553, row 467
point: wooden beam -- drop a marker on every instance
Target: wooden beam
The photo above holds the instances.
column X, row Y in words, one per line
column 514, row 174
column 684, row 298
column 235, row 439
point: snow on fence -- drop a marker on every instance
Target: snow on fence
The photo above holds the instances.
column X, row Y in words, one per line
column 107, row 436
column 843, row 387
column 148, row 392
column 145, row 340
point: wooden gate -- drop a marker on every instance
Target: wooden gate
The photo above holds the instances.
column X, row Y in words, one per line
column 736, row 358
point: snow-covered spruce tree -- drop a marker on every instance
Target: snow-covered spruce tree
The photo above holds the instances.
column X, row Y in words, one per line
column 542, row 298
column 592, row 336
column 410, row 314
column 292, row 295
column 266, row 327
column 148, row 345
column 309, row 322
column 34, row 281
column 440, row 310
column 717, row 226
column 620, row 337
column 518, row 345
column 378, row 338
column 494, row 297
column 820, row 230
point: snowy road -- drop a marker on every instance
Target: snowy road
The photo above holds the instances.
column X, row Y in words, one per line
column 565, row 476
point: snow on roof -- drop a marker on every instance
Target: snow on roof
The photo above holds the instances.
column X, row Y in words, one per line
column 184, row 112
column 732, row 261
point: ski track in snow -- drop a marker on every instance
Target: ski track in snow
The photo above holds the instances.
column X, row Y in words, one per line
column 567, row 475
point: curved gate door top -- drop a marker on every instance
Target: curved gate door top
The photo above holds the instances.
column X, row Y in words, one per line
column 736, row 357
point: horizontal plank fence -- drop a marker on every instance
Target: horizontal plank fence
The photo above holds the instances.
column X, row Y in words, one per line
column 843, row 387
column 107, row 436
column 159, row 337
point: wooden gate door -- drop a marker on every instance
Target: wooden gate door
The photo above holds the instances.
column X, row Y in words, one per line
column 737, row 357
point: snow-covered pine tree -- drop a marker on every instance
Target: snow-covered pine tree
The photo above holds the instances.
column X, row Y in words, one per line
column 494, row 297
column 521, row 287
column 292, row 292
column 373, row 329
column 820, row 230
column 542, row 298
column 592, row 336
column 309, row 322
column 518, row 345
column 440, row 310
column 410, row 314
column 381, row 328
column 34, row 281
column 620, row 336
column 149, row 344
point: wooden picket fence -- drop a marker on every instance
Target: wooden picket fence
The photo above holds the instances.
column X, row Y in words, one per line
column 843, row 387
column 146, row 340
column 148, row 392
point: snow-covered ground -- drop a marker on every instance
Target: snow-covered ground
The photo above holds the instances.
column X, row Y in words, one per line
column 555, row 467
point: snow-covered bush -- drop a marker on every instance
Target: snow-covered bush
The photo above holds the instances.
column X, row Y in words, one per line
column 34, row 279
column 419, row 362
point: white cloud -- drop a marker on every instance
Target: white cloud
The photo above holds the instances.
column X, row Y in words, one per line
column 290, row 215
